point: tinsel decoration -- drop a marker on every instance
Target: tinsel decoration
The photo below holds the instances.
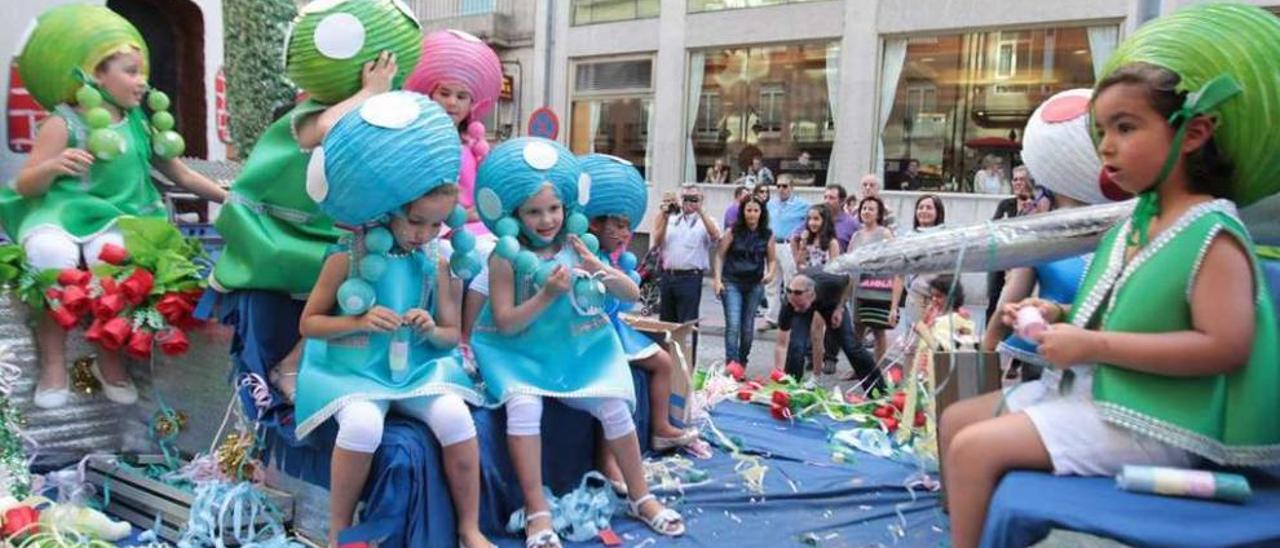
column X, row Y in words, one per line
column 15, row 479
column 167, row 424
column 256, row 83
column 82, row 379
column 235, row 456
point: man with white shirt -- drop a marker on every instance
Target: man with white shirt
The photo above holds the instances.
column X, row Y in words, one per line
column 686, row 234
column 787, row 212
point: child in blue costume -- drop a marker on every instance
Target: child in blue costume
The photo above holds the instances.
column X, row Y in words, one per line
column 618, row 199
column 543, row 332
column 382, row 321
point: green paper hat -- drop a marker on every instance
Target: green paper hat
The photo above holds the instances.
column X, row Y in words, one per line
column 331, row 40
column 71, row 37
column 1203, row 42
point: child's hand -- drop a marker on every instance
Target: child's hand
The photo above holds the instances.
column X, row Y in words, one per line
column 379, row 319
column 590, row 262
column 1049, row 309
column 558, row 282
column 420, row 319
column 378, row 73
column 72, row 161
column 1064, row 345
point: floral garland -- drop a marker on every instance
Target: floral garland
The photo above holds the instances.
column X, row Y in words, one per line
column 142, row 296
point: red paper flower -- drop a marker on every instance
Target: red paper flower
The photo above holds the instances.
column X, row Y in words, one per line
column 173, row 341
column 74, row 276
column 108, row 306
column 64, row 317
column 744, row 395
column 139, row 344
column 109, row 285
column 780, row 412
column 113, row 254
column 884, row 411
column 52, row 294
column 781, row 398
column 755, row 385
column 854, row 398
column 75, row 299
column 895, row 375
column 735, row 370
column 777, row 375
column 920, row 419
column 18, row 520
column 94, row 333
column 175, row 308
column 138, row 285
column 900, row 400
column 889, row 423
column 114, row 333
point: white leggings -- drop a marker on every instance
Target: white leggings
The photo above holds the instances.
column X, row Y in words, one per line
column 360, row 422
column 50, row 247
column 524, row 415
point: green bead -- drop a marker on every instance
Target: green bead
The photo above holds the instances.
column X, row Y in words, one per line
column 506, row 227
column 88, row 98
column 157, row 100
column 457, row 217
column 507, row 247
column 373, row 267
column 592, row 243
column 525, row 262
column 577, row 224
column 97, row 118
column 378, row 240
column 463, row 241
column 106, row 144
column 168, row 144
column 464, row 265
column 162, row 120
column 544, row 273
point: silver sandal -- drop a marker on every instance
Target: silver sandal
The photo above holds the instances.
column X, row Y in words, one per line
column 546, row 538
column 660, row 522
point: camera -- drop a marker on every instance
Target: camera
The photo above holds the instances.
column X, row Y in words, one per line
column 672, row 208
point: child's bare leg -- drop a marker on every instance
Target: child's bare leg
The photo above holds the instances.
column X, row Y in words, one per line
column 627, row 450
column 286, row 377
column 977, row 457
column 524, row 441
column 348, row 473
column 660, row 367
column 51, row 340
column 462, row 470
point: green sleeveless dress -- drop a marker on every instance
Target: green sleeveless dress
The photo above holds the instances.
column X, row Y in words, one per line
column 85, row 206
column 1231, row 418
column 276, row 237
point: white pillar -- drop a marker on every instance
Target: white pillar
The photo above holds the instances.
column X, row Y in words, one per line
column 856, row 127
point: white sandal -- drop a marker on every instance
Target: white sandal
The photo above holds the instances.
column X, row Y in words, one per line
column 660, row 522
column 546, row 538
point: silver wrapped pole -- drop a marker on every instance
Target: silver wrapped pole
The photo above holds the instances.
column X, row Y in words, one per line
column 997, row 245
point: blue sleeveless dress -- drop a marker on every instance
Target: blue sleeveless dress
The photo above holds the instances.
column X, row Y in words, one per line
column 1058, row 282
column 561, row 354
column 636, row 345
column 335, row 372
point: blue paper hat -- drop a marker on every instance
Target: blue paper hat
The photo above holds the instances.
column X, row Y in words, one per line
column 391, row 150
column 616, row 188
column 516, row 170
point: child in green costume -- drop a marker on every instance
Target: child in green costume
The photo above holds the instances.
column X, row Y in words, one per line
column 64, row 204
column 1169, row 353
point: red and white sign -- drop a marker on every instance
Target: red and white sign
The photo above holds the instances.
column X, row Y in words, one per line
column 23, row 112
column 220, row 107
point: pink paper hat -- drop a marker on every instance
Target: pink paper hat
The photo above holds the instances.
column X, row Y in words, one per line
column 456, row 56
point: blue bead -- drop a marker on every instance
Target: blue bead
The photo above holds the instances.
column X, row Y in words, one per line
column 463, row 241
column 464, row 265
column 355, row 297
column 592, row 243
column 525, row 262
column 544, row 273
column 577, row 224
column 635, row 276
column 373, row 267
column 507, row 247
column 506, row 227
column 378, row 240
column 628, row 261
column 457, row 217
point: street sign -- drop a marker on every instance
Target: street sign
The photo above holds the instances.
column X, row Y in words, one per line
column 544, row 123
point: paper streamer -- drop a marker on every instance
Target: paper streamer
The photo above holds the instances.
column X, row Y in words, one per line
column 1181, row 482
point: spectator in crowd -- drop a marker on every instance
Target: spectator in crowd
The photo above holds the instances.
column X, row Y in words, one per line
column 761, row 192
column 816, row 243
column 843, row 223
column 685, row 233
column 746, row 260
column 909, row 179
column 877, row 297
column 990, row 179
column 718, row 173
column 869, row 185
column 1022, row 203
column 929, row 215
column 760, row 172
column 787, row 213
column 731, row 213
column 815, row 298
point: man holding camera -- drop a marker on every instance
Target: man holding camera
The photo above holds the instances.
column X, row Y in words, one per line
column 685, row 234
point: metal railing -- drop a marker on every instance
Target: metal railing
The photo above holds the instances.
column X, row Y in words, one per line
column 434, row 10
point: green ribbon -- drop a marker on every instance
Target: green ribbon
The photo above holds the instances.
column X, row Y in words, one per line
column 1208, row 97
